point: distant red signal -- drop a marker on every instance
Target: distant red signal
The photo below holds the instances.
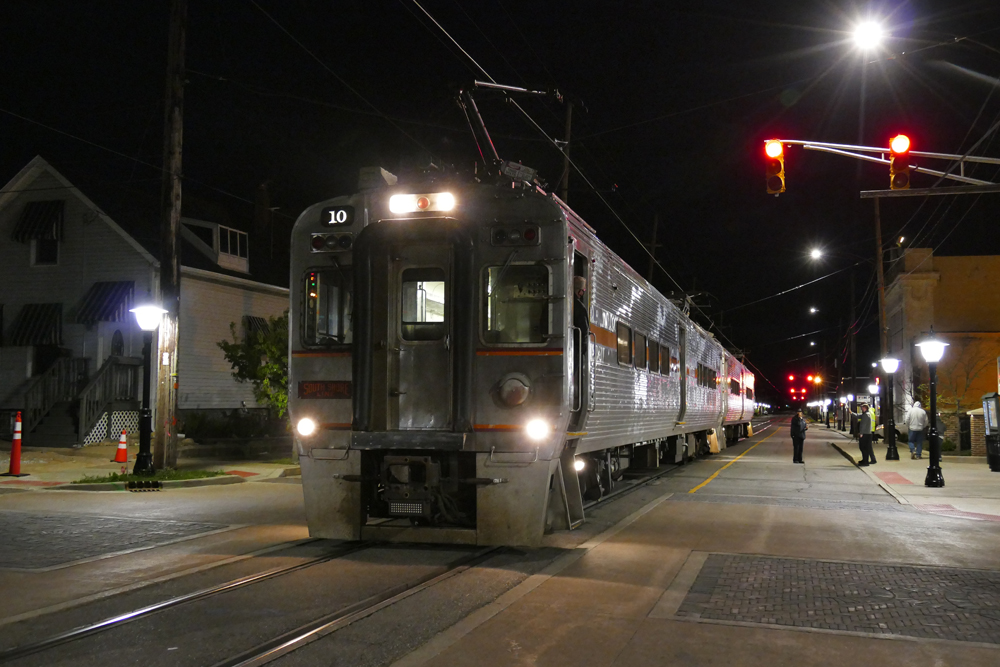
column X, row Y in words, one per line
column 791, row 377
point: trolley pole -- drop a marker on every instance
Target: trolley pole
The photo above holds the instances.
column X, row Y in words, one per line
column 165, row 440
column 564, row 185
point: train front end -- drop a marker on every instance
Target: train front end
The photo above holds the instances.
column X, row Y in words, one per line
column 428, row 364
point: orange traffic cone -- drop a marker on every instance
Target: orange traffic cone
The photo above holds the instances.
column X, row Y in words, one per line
column 15, row 451
column 121, row 455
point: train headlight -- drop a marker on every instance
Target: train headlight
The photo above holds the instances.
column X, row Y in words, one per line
column 579, row 464
column 436, row 201
column 306, row 426
column 537, row 429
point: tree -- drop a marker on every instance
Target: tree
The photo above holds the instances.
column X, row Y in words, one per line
column 261, row 358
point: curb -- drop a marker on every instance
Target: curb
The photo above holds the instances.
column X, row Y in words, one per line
column 885, row 487
column 168, row 484
column 291, row 472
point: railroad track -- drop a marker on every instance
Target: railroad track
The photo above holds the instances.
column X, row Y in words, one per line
column 287, row 641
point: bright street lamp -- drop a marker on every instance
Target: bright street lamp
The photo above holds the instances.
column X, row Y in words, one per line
column 816, row 253
column 932, row 349
column 148, row 317
column 814, row 310
column 868, row 35
column 890, row 365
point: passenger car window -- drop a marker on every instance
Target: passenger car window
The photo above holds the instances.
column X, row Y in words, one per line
column 624, row 344
column 328, row 307
column 654, row 357
column 422, row 302
column 517, row 304
column 640, row 351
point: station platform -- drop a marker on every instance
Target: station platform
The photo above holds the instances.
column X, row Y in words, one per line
column 749, row 559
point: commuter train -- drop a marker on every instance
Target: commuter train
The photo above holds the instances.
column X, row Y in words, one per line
column 469, row 363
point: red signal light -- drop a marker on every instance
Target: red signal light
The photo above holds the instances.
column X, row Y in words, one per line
column 900, row 144
column 809, row 378
column 774, row 148
column 791, row 377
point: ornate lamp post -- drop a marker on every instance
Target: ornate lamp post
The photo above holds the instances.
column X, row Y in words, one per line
column 148, row 318
column 890, row 365
column 932, row 349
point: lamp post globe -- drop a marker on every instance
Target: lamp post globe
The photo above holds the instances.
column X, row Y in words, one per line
column 932, row 350
column 148, row 318
column 890, row 365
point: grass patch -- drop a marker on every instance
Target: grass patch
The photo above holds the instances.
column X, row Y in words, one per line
column 284, row 462
column 165, row 475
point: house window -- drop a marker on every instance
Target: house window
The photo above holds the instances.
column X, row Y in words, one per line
column 44, row 252
column 624, row 344
column 233, row 242
column 640, row 351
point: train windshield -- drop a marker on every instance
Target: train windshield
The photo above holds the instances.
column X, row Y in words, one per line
column 328, row 307
column 517, row 304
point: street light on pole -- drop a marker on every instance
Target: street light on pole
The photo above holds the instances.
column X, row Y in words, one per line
column 148, row 318
column 932, row 349
column 868, row 35
column 890, row 365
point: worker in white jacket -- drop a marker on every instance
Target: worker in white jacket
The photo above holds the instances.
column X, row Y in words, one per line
column 916, row 423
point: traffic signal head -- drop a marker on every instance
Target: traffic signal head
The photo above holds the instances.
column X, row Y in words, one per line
column 899, row 167
column 775, row 170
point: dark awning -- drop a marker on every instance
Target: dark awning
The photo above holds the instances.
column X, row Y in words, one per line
column 255, row 325
column 37, row 324
column 106, row 302
column 40, row 220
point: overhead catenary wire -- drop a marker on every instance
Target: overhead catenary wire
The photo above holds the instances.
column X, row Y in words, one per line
column 577, row 169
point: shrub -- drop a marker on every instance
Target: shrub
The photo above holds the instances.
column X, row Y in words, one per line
column 947, row 445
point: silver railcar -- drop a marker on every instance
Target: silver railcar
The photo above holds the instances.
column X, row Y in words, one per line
column 469, row 363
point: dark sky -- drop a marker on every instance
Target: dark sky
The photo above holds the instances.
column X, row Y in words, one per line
column 679, row 98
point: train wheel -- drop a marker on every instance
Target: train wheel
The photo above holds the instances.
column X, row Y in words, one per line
column 590, row 479
column 615, row 463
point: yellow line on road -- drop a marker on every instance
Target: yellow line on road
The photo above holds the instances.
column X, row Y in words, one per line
column 716, row 473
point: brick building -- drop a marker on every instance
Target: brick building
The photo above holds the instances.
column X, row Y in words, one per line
column 960, row 298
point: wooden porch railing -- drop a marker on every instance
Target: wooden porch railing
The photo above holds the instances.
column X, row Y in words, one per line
column 116, row 382
column 59, row 383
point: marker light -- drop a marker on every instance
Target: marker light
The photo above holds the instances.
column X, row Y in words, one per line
column 791, row 377
column 438, row 201
column 579, row 464
column 306, row 426
column 774, row 148
column 537, row 429
column 899, row 144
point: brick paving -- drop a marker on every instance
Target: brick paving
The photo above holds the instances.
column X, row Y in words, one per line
column 926, row 602
column 33, row 540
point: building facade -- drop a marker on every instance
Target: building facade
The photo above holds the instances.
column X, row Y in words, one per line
column 70, row 350
column 959, row 297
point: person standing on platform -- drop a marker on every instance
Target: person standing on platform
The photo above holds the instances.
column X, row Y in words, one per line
column 865, row 426
column 799, row 428
column 916, row 423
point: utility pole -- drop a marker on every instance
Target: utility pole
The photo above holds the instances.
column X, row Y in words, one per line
column 854, row 354
column 564, row 185
column 165, row 440
column 882, row 331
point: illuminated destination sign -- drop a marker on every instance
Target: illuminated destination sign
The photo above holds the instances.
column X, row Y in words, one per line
column 325, row 389
column 337, row 215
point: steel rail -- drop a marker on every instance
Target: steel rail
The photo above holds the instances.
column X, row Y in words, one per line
column 121, row 619
column 321, row 627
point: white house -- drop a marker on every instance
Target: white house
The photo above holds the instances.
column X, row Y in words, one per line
column 70, row 352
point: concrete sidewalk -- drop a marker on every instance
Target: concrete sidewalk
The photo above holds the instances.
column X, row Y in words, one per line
column 50, row 467
column 971, row 490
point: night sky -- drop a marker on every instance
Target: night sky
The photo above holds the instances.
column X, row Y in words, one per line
column 678, row 99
